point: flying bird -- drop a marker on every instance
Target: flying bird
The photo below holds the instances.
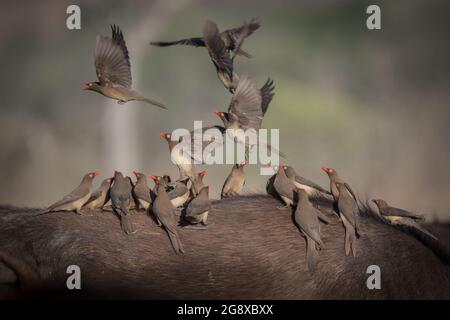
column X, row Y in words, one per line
column 230, row 38
column 246, row 111
column 397, row 216
column 112, row 65
column 220, row 55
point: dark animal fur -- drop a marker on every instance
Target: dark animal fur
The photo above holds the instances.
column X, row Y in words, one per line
column 250, row 251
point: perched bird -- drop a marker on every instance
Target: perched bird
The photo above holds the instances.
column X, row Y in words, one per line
column 348, row 210
column 77, row 198
column 307, row 220
column 246, row 112
column 334, row 178
column 181, row 159
column 397, row 216
column 180, row 192
column 311, row 188
column 198, row 209
column 235, row 181
column 101, row 196
column 165, row 213
column 141, row 191
column 284, row 187
column 121, row 199
column 112, row 65
column 220, row 55
column 229, row 37
column 197, row 184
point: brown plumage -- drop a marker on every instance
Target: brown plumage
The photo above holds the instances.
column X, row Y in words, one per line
column 77, row 198
column 112, row 65
column 101, row 196
column 141, row 191
column 246, row 111
column 235, row 181
column 230, row 38
column 400, row 217
column 218, row 43
column 198, row 209
column 181, row 159
column 165, row 213
column 121, row 200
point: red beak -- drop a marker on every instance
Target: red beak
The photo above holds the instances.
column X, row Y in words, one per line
column 163, row 135
column 151, row 176
column 96, row 173
column 217, row 112
column 324, row 169
column 202, row 173
column 84, row 86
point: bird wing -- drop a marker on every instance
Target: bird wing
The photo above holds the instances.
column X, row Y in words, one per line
column 167, row 218
column 195, row 42
column 112, row 62
column 217, row 49
column 246, row 105
column 198, row 206
column 308, row 224
column 142, row 193
column 391, row 211
column 246, row 28
column 94, row 196
column 179, row 190
column 309, row 183
column 78, row 193
column 267, row 95
column 208, row 136
column 350, row 190
column 348, row 207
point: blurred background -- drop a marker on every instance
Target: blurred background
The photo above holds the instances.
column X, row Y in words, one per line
column 374, row 105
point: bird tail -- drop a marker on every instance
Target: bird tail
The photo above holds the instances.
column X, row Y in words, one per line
column 126, row 224
column 195, row 42
column 165, row 43
column 350, row 238
column 418, row 227
column 311, row 254
column 42, row 212
column 152, row 102
column 176, row 242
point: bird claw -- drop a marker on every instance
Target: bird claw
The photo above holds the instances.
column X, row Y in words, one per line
column 283, row 207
